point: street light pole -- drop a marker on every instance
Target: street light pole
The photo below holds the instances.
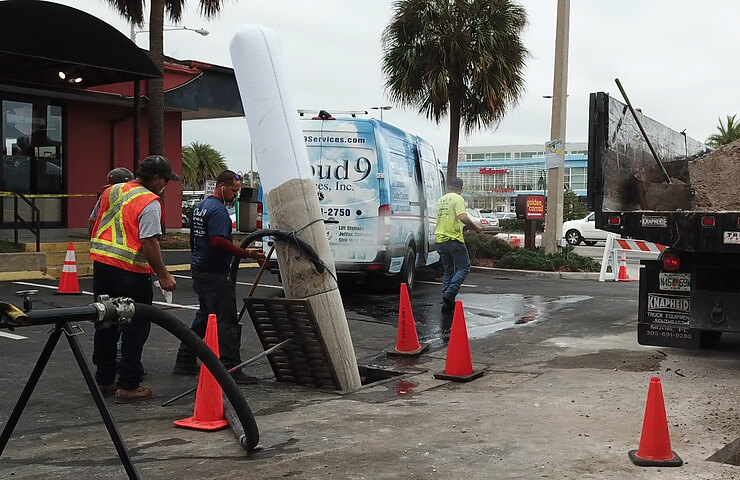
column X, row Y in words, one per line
column 555, row 176
column 199, row 31
column 384, row 107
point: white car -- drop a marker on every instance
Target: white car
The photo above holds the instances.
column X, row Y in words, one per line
column 583, row 231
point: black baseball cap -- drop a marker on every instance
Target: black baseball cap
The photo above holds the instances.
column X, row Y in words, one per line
column 120, row 175
column 158, row 165
column 455, row 182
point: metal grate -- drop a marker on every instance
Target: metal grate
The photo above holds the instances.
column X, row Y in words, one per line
column 305, row 360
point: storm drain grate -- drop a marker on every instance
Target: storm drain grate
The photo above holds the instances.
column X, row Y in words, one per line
column 304, row 360
column 729, row 454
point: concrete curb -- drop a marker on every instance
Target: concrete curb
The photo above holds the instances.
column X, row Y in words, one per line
column 538, row 273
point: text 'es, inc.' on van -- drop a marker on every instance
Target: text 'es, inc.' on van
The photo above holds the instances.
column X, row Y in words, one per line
column 378, row 188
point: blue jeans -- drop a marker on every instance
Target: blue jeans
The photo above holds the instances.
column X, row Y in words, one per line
column 456, row 264
column 216, row 295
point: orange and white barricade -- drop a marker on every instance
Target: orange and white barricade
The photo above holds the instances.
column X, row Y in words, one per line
column 615, row 255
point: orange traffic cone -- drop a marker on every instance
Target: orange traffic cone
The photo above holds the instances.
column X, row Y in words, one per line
column 68, row 284
column 407, row 342
column 655, row 443
column 623, row 277
column 209, row 402
column 459, row 364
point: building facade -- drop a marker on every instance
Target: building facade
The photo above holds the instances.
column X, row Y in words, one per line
column 494, row 175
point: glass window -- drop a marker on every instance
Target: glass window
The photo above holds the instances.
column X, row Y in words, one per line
column 32, row 160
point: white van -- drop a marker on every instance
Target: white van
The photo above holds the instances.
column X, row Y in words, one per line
column 378, row 188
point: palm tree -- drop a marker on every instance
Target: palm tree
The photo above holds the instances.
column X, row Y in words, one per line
column 464, row 58
column 200, row 162
column 728, row 133
column 133, row 11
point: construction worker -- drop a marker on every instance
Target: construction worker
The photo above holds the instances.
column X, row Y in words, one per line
column 451, row 218
column 117, row 175
column 125, row 251
column 213, row 250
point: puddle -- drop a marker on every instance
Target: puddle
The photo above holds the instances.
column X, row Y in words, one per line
column 488, row 314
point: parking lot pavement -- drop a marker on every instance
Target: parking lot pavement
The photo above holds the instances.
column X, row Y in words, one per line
column 563, row 395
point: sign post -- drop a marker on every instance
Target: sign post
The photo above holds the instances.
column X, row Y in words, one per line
column 531, row 208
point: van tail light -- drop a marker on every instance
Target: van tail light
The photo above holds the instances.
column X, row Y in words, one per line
column 671, row 261
column 384, row 224
column 259, row 216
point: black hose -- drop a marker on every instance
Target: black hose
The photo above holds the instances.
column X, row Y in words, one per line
column 283, row 235
column 250, row 439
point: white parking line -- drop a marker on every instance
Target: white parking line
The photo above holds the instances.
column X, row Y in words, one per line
column 238, row 283
column 85, row 292
column 440, row 283
column 12, row 336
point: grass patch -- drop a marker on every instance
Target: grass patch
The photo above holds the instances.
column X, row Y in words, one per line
column 181, row 240
column 7, row 246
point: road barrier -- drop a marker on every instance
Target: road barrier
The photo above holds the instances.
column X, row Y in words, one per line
column 615, row 248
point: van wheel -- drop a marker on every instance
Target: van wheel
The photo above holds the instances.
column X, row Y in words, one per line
column 573, row 237
column 408, row 271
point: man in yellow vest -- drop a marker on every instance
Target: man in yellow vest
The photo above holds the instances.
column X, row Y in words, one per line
column 452, row 216
column 125, row 252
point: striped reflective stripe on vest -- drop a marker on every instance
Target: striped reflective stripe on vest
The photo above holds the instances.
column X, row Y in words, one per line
column 112, row 218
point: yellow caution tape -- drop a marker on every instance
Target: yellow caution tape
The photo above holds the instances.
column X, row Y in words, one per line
column 48, row 195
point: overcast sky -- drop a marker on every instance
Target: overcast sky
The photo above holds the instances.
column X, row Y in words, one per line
column 676, row 59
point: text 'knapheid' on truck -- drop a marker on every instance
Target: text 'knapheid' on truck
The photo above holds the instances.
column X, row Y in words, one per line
column 691, row 294
column 378, row 188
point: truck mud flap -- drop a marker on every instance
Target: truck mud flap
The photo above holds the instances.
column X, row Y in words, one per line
column 668, row 336
column 664, row 316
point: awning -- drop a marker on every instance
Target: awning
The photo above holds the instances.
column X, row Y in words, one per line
column 38, row 40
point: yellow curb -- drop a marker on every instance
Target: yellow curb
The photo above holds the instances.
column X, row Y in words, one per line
column 27, row 275
column 186, row 266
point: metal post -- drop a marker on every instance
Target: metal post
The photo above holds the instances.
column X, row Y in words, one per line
column 137, row 122
column 33, row 380
column 555, row 176
column 105, row 414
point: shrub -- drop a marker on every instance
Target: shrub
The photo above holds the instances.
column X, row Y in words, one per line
column 517, row 225
column 564, row 261
column 482, row 246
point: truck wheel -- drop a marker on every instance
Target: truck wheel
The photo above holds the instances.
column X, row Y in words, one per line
column 408, row 271
column 573, row 237
column 710, row 338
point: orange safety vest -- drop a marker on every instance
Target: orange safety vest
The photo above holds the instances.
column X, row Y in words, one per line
column 115, row 238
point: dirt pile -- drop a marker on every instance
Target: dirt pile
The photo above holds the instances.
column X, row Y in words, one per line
column 715, row 177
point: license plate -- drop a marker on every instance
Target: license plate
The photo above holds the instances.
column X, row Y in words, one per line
column 732, row 238
column 675, row 282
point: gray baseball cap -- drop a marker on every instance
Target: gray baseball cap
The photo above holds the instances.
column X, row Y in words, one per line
column 120, row 175
column 455, row 182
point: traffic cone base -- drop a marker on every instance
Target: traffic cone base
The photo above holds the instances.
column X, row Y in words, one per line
column 413, row 353
column 459, row 378
column 655, row 442
column 622, row 276
column 209, row 403
column 643, row 462
column 407, row 341
column 459, row 363
column 68, row 284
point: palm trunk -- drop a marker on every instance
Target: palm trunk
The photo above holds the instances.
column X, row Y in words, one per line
column 155, row 90
column 454, row 137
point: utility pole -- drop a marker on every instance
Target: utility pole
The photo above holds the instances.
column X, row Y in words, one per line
column 555, row 176
column 290, row 190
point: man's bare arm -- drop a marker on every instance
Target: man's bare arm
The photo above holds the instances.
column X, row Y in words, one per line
column 465, row 219
column 153, row 254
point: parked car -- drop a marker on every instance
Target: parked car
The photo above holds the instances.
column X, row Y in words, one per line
column 505, row 215
column 493, row 221
column 487, row 224
column 583, row 230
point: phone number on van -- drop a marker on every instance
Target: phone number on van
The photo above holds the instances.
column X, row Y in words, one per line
column 336, row 212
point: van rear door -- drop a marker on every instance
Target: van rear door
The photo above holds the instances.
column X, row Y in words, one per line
column 344, row 164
